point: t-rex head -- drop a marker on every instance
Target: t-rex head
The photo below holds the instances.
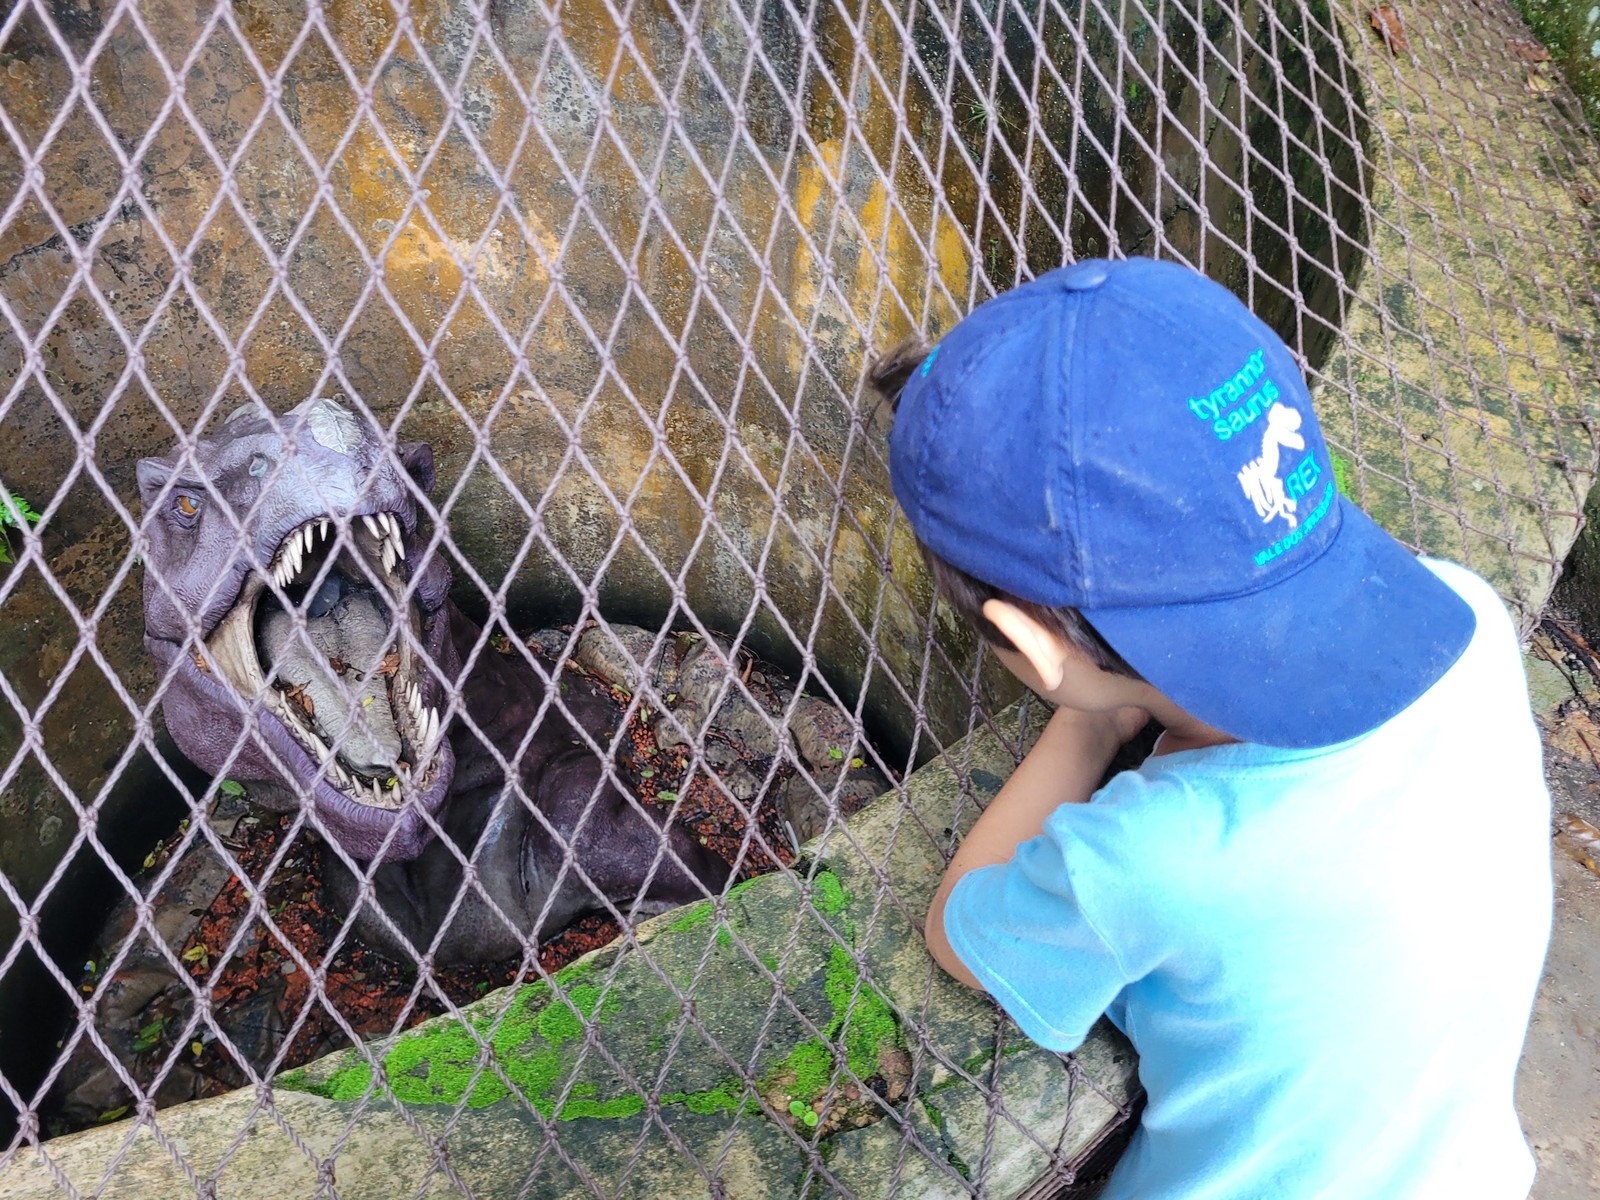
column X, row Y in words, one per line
column 287, row 546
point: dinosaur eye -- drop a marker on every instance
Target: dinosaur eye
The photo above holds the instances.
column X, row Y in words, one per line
column 187, row 505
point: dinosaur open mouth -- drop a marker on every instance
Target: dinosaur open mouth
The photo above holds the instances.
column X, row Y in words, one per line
column 326, row 652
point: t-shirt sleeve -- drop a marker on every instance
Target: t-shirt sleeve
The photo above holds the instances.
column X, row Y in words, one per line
column 1019, row 928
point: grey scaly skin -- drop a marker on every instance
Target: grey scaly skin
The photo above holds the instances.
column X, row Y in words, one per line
column 286, row 577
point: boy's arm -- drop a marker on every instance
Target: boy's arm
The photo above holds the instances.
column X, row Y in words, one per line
column 1064, row 767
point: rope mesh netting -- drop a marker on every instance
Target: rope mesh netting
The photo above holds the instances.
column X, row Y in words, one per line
column 621, row 268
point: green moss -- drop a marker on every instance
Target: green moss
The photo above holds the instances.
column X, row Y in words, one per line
column 728, row 1097
column 979, row 1060
column 1343, row 475
column 811, row 1064
column 959, row 1164
column 871, row 1022
column 828, row 893
column 622, row 1106
column 527, row 1049
column 866, row 1028
column 559, row 1024
column 438, row 1066
column 573, row 973
column 724, row 937
column 692, row 917
column 352, row 1083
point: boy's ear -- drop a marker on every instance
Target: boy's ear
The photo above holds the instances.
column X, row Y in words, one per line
column 1043, row 649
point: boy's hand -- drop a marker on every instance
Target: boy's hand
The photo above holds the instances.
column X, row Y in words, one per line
column 1115, row 727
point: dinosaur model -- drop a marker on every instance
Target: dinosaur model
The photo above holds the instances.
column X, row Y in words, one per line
column 310, row 650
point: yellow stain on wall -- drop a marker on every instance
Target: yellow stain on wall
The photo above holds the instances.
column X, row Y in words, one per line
column 890, row 280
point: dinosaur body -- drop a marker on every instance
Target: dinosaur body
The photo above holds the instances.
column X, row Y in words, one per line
column 311, row 652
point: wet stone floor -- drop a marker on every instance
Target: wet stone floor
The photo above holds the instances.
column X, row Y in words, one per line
column 755, row 815
column 1558, row 1085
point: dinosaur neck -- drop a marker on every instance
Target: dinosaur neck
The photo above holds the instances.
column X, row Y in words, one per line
column 501, row 695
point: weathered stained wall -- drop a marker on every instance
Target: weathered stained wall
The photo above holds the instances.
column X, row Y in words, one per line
column 638, row 270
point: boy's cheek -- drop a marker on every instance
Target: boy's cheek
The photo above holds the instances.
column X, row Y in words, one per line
column 1021, row 669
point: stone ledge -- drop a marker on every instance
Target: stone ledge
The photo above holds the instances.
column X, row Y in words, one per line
column 576, row 1060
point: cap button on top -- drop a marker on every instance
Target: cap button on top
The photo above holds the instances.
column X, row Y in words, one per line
column 1082, row 276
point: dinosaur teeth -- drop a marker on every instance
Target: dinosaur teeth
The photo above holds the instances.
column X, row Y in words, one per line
column 322, row 529
column 395, row 537
column 372, row 527
column 388, row 556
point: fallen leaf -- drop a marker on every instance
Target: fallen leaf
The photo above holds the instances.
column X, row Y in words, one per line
column 390, row 665
column 1579, row 840
column 894, row 1064
column 1527, row 50
column 149, row 1035
column 1386, row 23
column 297, row 695
column 1584, row 193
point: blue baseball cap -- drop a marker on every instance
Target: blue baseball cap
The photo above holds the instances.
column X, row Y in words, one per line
column 1128, row 439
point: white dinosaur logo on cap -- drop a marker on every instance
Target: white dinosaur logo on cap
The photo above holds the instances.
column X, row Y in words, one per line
column 1259, row 478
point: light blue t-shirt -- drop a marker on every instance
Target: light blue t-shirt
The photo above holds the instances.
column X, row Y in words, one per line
column 1325, row 958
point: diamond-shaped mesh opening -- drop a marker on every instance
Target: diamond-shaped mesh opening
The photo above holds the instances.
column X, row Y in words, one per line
column 467, row 665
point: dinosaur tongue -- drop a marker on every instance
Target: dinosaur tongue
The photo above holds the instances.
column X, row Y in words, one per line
column 337, row 667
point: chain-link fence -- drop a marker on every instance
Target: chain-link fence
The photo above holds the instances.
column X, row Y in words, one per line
column 513, row 560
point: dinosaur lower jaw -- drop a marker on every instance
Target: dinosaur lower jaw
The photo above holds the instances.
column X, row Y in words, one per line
column 387, row 696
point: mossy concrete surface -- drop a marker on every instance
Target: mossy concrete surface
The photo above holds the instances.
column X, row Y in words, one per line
column 689, row 1054
column 1463, row 392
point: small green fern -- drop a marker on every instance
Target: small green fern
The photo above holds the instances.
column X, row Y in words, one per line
column 15, row 512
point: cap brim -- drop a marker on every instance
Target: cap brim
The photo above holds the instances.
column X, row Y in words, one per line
column 1327, row 654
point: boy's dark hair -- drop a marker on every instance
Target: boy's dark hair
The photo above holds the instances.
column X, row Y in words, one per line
column 965, row 594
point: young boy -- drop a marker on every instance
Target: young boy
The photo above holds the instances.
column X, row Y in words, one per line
column 1320, row 907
